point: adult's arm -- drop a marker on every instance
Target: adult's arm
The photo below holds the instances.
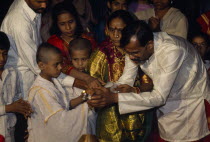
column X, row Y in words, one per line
column 129, row 73
column 169, row 66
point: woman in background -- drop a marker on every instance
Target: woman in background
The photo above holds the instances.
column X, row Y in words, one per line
column 66, row 27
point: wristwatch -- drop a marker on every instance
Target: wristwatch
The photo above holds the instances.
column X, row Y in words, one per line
column 85, row 96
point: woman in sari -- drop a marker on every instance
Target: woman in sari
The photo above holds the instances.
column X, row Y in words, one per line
column 107, row 64
column 66, row 27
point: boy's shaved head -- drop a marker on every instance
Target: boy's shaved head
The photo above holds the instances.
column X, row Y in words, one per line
column 80, row 44
column 45, row 52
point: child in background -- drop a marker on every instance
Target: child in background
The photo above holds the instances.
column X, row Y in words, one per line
column 55, row 117
column 80, row 51
column 200, row 42
column 10, row 101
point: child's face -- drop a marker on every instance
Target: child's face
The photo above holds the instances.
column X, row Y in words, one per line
column 3, row 58
column 117, row 5
column 66, row 24
column 52, row 68
column 114, row 30
column 80, row 59
column 200, row 44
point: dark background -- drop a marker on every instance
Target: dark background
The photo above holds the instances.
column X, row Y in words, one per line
column 191, row 8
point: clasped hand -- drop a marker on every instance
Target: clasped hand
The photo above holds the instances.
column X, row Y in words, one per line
column 103, row 96
column 20, row 106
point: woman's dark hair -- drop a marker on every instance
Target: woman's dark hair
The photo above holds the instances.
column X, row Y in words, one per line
column 4, row 41
column 139, row 29
column 126, row 17
column 61, row 8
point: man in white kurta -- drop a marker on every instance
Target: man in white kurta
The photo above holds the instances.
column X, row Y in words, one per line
column 22, row 25
column 180, row 85
column 173, row 22
column 52, row 120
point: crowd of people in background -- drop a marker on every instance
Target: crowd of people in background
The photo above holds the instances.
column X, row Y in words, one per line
column 134, row 73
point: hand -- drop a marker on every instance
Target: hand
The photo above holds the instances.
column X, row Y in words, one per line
column 20, row 106
column 154, row 24
column 102, row 97
column 94, row 82
column 90, row 91
column 124, row 88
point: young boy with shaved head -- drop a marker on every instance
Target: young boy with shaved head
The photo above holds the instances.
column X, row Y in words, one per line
column 56, row 117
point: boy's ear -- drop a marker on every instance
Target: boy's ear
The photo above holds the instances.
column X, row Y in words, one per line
column 41, row 65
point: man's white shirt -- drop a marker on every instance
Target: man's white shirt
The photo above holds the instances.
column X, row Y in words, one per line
column 180, row 87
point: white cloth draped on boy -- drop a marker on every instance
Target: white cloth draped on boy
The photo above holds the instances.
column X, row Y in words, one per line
column 180, row 87
column 52, row 120
column 8, row 94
